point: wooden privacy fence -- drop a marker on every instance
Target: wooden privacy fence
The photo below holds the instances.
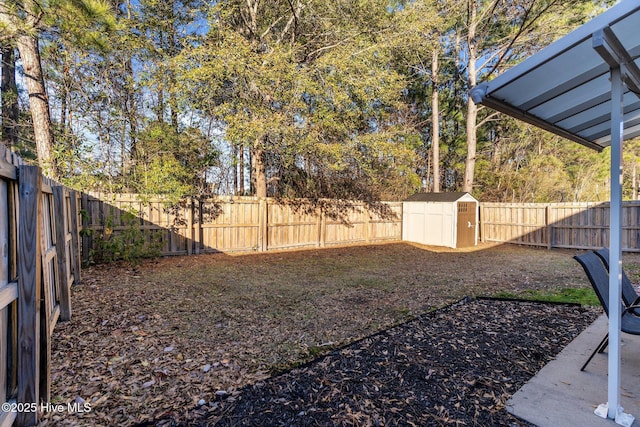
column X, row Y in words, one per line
column 558, row 225
column 239, row 223
column 39, row 244
column 246, row 224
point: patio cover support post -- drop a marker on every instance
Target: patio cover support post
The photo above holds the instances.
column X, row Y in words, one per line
column 623, row 71
column 615, row 237
column 549, row 91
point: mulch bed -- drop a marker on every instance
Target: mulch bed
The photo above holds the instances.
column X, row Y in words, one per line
column 454, row 366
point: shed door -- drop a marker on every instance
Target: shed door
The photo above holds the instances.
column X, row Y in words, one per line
column 466, row 229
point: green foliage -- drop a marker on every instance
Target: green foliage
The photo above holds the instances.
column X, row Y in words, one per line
column 164, row 175
column 334, row 97
column 127, row 243
column 328, row 116
column 524, row 164
column 86, row 23
column 172, row 164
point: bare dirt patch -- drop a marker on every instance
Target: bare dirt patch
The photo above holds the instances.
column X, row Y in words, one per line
column 148, row 343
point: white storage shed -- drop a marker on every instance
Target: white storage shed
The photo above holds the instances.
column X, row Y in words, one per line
column 441, row 219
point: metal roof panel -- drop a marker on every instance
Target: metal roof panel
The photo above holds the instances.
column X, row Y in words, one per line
column 565, row 88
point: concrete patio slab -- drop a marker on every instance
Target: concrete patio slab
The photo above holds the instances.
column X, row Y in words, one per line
column 560, row 395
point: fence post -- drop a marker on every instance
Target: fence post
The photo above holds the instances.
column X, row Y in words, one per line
column 478, row 222
column 199, row 231
column 190, row 233
column 60, row 220
column 263, row 219
column 323, row 228
column 319, row 226
column 548, row 227
column 367, row 224
column 75, row 234
column 29, row 284
column 87, row 242
column 4, row 281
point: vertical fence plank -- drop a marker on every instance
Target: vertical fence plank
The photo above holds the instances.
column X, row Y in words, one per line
column 86, row 235
column 4, row 233
column 367, row 225
column 189, row 234
column 50, row 290
column 263, row 216
column 4, row 325
column 29, row 279
column 323, row 228
column 318, row 236
column 548, row 227
column 4, row 281
column 61, row 215
column 199, row 231
column 75, row 236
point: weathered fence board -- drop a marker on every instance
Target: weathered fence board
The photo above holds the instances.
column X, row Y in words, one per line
column 74, row 253
column 8, row 284
column 8, row 294
column 62, row 239
column 35, row 225
column 241, row 224
column 29, row 279
column 558, row 225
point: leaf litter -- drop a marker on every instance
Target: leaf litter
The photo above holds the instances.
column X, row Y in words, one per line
column 308, row 338
column 455, row 366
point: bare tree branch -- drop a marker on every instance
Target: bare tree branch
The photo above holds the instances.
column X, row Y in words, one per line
column 491, row 117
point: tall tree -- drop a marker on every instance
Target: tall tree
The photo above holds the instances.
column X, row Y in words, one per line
column 499, row 32
column 307, row 88
column 423, row 25
column 22, row 22
column 9, row 95
column 435, row 119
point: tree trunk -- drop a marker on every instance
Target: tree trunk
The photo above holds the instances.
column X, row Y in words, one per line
column 241, row 170
column 131, row 109
column 472, row 109
column 64, row 96
column 9, row 91
column 160, row 106
column 457, row 80
column 259, row 172
column 435, row 123
column 634, row 182
column 470, row 162
column 65, row 90
column 496, row 157
column 38, row 103
column 160, row 85
column 236, row 187
column 174, row 49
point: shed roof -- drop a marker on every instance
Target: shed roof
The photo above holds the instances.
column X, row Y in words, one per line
column 439, row 197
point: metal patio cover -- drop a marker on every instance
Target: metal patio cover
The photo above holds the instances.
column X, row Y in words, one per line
column 565, row 88
column 585, row 87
